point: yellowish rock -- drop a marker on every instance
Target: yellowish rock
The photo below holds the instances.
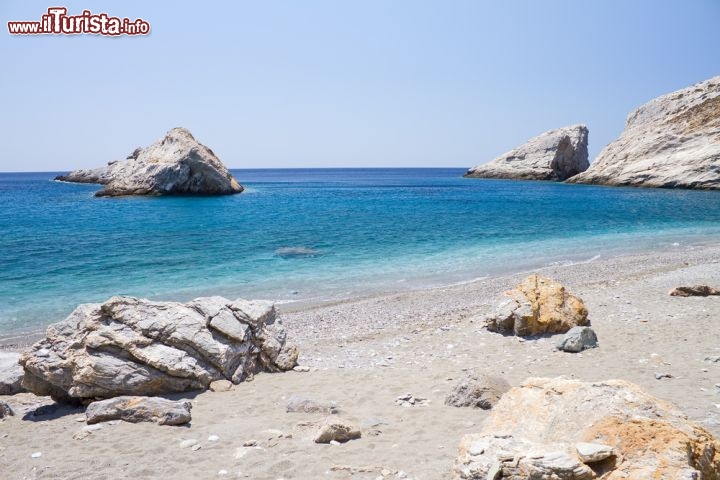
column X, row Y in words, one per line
column 536, row 306
column 535, row 429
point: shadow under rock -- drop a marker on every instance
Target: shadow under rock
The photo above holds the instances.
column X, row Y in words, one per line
column 52, row 411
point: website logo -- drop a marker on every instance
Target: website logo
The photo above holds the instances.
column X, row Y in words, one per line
column 57, row 22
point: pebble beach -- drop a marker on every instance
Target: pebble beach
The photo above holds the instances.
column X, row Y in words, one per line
column 365, row 353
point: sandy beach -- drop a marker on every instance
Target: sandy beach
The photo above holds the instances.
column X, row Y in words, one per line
column 364, row 353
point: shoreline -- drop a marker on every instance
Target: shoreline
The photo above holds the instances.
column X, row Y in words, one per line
column 365, row 352
column 18, row 340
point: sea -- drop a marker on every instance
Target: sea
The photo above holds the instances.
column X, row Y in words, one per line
column 316, row 235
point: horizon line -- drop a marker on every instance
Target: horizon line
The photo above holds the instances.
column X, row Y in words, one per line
column 273, row 168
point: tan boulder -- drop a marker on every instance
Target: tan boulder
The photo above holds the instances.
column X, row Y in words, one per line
column 566, row 429
column 536, row 306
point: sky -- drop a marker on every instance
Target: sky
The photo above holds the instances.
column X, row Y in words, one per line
column 353, row 83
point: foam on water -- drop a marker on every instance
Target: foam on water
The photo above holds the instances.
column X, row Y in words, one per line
column 375, row 230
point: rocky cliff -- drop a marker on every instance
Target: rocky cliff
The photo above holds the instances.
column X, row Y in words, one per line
column 554, row 155
column 176, row 164
column 672, row 141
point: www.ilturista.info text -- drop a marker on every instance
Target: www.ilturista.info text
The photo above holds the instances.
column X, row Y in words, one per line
column 57, row 21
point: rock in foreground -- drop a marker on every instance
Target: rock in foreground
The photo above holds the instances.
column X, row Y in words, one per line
column 177, row 164
column 337, row 431
column 140, row 409
column 130, row 346
column 694, row 291
column 554, row 155
column 482, row 391
column 578, row 339
column 5, row 410
column 672, row 141
column 538, row 305
column 565, row 429
column 11, row 373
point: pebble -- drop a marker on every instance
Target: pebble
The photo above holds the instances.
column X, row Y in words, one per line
column 334, row 442
column 250, row 443
column 408, row 400
column 36, row 455
column 222, row 472
column 188, row 443
column 196, row 447
column 301, row 368
column 213, row 438
column 658, row 376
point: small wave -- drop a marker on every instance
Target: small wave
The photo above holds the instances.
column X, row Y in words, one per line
column 296, row 252
column 466, row 282
column 569, row 263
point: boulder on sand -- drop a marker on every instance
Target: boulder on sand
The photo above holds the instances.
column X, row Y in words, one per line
column 140, row 409
column 177, row 164
column 11, row 373
column 538, row 305
column 130, row 346
column 570, row 430
column 474, row 391
column 578, row 339
column 694, row 291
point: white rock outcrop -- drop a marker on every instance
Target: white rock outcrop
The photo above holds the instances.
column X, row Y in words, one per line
column 176, row 164
column 130, row 346
column 672, row 141
column 555, row 155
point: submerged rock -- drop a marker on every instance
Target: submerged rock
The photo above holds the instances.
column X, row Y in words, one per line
column 672, row 141
column 536, row 306
column 566, row 429
column 130, row 346
column 555, row 155
column 177, row 164
column 290, row 252
column 140, row 409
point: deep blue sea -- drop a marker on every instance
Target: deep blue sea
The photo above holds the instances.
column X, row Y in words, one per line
column 357, row 231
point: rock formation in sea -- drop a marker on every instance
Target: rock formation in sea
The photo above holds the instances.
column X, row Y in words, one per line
column 539, row 305
column 562, row 428
column 176, row 164
column 130, row 346
column 672, row 141
column 555, row 155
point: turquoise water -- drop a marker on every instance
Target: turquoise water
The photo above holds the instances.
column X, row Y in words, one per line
column 315, row 234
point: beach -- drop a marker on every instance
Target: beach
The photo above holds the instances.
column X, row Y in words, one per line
column 365, row 352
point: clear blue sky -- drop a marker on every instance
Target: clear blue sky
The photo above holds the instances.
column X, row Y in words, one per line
column 343, row 83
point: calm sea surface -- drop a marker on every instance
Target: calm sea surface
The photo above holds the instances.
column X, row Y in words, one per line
column 316, row 234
